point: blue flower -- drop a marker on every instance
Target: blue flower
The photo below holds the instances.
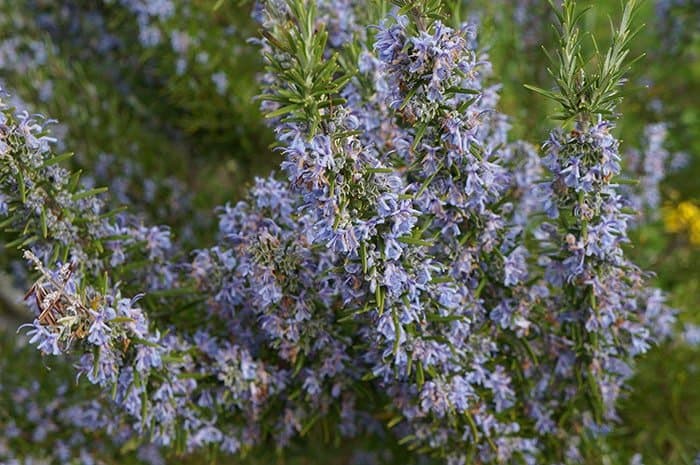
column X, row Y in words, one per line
column 515, row 266
column 44, row 338
column 99, row 332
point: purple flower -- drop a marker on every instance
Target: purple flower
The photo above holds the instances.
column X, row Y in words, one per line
column 45, row 339
column 148, row 357
column 515, row 267
column 99, row 332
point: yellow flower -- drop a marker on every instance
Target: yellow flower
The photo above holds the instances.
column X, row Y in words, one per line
column 694, row 233
column 684, row 217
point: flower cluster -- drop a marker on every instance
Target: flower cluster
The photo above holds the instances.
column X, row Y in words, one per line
column 402, row 279
column 610, row 316
column 430, row 124
column 51, row 423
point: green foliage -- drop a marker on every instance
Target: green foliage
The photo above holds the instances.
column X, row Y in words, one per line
column 178, row 125
column 661, row 415
column 588, row 85
column 310, row 83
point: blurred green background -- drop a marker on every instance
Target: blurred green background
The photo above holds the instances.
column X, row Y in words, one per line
column 177, row 144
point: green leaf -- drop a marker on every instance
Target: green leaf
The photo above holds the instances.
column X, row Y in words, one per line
column 44, row 229
column 21, row 186
column 57, row 159
column 89, row 193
